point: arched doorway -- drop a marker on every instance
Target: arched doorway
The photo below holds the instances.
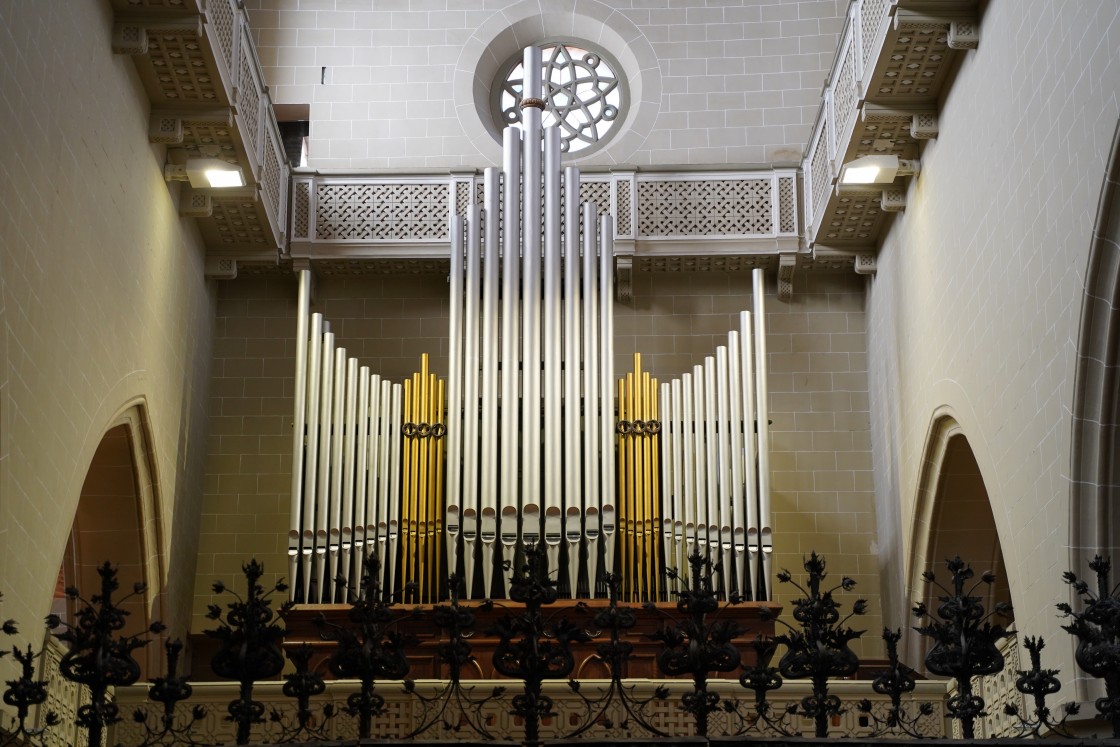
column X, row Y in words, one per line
column 117, row 521
column 1095, row 439
column 954, row 517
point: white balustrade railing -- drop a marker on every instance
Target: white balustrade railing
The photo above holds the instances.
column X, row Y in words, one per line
column 861, row 42
column 405, row 213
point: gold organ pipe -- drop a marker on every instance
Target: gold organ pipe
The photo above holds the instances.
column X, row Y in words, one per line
column 653, row 525
column 639, row 484
column 631, row 480
column 423, row 434
column 639, row 481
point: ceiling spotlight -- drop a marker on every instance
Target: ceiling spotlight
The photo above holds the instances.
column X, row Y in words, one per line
column 876, row 169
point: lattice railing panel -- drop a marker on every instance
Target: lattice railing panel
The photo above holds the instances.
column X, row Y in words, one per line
column 871, row 17
column 787, row 205
column 222, row 15
column 845, row 89
column 249, row 96
column 301, row 209
column 728, row 207
column 382, row 211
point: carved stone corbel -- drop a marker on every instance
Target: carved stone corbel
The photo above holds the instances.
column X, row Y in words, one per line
column 964, row 34
column 624, row 279
column 893, row 200
column 866, row 264
column 130, row 34
column 787, row 263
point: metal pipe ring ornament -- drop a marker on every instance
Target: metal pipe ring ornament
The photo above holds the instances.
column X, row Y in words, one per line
column 408, row 430
column 423, row 430
column 623, row 427
column 439, row 430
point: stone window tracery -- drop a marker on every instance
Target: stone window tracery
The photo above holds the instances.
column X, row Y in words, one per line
column 583, row 94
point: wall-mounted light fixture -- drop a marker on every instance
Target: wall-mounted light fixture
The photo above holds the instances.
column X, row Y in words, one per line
column 206, row 173
column 203, row 172
column 877, row 169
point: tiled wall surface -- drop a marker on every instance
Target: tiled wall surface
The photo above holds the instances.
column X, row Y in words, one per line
column 102, row 300
column 821, row 458
column 976, row 305
column 740, row 82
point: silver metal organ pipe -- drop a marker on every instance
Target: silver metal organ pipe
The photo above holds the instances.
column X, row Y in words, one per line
column 342, row 530
column 326, row 412
column 454, row 419
column 700, row 461
column 303, row 309
column 668, row 497
column 737, row 424
column 511, row 255
column 339, row 426
column 315, row 355
column 531, row 104
column 362, row 468
column 723, row 432
column 591, row 450
column 488, row 521
column 688, row 459
column 394, row 428
column 389, row 454
column 680, row 500
column 374, row 445
column 763, row 413
column 552, row 338
column 606, row 387
column 712, row 447
column 573, row 454
column 469, row 490
column 750, row 452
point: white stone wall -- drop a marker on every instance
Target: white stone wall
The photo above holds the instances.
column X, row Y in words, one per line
column 975, row 308
column 102, row 299
column 735, row 82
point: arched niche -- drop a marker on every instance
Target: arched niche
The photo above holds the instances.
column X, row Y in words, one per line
column 953, row 517
column 117, row 520
column 1095, row 440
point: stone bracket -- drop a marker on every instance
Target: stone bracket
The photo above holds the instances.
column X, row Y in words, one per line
column 866, row 264
column 165, row 126
column 130, row 33
column 893, row 200
column 787, row 263
column 624, row 278
column 923, row 121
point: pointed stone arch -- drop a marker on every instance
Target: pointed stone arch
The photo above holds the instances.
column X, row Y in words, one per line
column 953, row 516
column 117, row 519
column 1095, row 439
column 1095, row 468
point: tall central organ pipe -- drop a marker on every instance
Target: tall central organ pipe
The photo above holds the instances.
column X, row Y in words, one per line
column 540, row 313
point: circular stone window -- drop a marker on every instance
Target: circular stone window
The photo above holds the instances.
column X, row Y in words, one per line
column 583, row 95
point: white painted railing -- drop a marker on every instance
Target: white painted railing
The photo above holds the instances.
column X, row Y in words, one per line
column 402, row 215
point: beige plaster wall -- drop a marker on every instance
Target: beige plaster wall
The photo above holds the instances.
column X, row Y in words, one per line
column 102, row 300
column 821, row 458
column 974, row 312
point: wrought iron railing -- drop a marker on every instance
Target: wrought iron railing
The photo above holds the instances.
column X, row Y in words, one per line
column 538, row 702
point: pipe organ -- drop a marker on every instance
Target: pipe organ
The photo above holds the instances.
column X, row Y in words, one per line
column 531, row 439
